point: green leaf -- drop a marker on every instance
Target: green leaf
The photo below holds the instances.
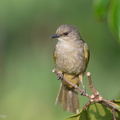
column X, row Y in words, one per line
column 111, row 10
column 80, row 116
column 100, row 8
column 95, row 111
column 114, row 17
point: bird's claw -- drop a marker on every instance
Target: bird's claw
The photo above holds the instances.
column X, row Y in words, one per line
column 83, row 92
column 60, row 76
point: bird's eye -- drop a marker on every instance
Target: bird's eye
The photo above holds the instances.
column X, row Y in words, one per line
column 66, row 33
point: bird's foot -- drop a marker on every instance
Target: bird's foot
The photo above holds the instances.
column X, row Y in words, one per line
column 60, row 75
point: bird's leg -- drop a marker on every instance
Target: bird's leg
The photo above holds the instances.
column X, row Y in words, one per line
column 83, row 86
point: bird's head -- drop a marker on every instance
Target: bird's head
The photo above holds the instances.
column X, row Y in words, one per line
column 66, row 33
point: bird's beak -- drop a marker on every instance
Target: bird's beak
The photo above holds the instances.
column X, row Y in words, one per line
column 54, row 36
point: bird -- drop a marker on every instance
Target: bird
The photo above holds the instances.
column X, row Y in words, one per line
column 71, row 56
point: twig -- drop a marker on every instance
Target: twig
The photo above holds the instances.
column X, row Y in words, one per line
column 113, row 112
column 95, row 97
column 109, row 104
column 86, row 105
column 95, row 92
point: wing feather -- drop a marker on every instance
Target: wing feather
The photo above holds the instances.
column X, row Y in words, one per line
column 86, row 53
column 55, row 56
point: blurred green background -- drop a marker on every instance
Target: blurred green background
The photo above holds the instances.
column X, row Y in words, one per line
column 28, row 88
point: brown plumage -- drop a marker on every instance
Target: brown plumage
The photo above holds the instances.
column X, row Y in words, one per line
column 71, row 56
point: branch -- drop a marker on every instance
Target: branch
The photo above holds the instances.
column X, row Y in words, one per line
column 95, row 97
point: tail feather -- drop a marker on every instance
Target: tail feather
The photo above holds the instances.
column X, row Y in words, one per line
column 68, row 99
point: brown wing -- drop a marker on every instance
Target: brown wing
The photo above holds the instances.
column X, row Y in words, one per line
column 86, row 54
column 54, row 56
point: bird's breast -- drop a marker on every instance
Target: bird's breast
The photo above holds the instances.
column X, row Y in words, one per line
column 70, row 58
